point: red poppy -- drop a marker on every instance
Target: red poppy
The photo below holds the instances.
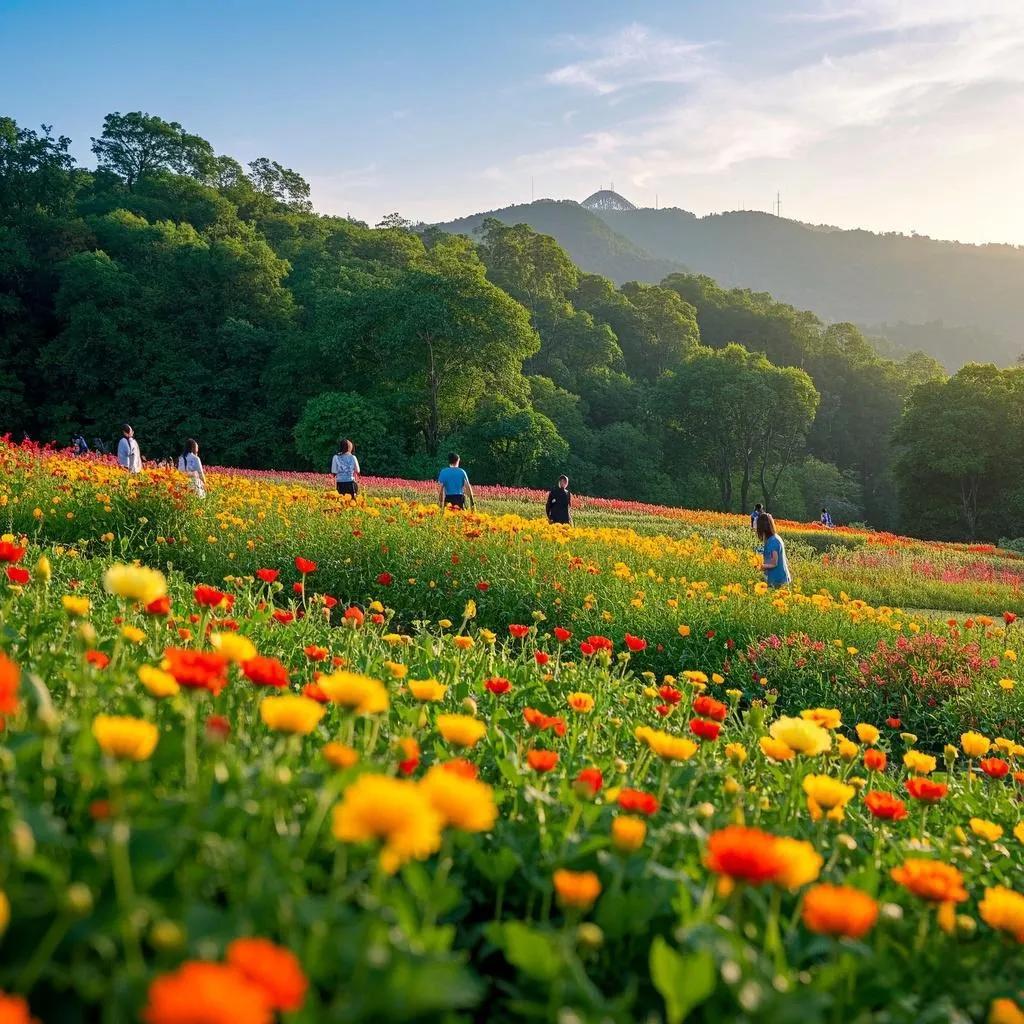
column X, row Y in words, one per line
column 600, row 643
column 708, row 707
column 541, row 658
column 497, row 685
column 538, row 720
column 283, row 617
column 211, row 597
column 589, row 782
column 704, row 729
column 11, row 552
column 314, row 692
column 161, row 606
column 197, row 669
column 636, row 801
column 875, row 760
column 385, row 579
column 100, row 810
column 925, row 790
column 994, row 767
column 354, row 616
column 267, row 575
column 1009, row 618
column 315, row 653
column 635, row 643
column 562, row 635
column 377, row 619
column 304, row 565
column 587, row 649
column 297, row 588
column 10, row 675
column 663, row 709
column 329, row 602
column 893, row 723
column 542, row 760
column 17, row 575
column 97, row 658
column 517, row 632
column 483, row 586
column 886, row 806
column 669, row 694
column 266, row 672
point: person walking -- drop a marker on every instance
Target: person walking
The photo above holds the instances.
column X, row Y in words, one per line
column 559, row 504
column 191, row 465
column 345, row 470
column 826, row 519
column 773, row 552
column 128, row 455
column 453, row 485
column 758, row 509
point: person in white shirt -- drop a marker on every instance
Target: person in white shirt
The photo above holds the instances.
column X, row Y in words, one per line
column 128, row 455
column 190, row 464
column 345, row 470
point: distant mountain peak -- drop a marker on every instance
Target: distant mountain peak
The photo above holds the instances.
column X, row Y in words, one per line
column 606, row 199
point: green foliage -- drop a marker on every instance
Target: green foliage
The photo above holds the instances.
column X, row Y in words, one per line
column 334, row 415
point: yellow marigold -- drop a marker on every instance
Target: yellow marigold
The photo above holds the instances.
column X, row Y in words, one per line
column 683, row 631
column 1005, row 1011
column 931, row 880
column 158, row 682
column 340, row 755
column 463, row 643
column 696, row 677
column 867, row 733
column 135, row 582
column 576, row 889
column 825, row 793
column 920, row 764
column 394, row 639
column 986, row 829
column 396, row 669
column 827, row 718
column 291, row 713
column 801, row 862
column 365, row 695
column 736, row 752
column 628, row 833
column 801, row 735
column 461, row 730
column 75, row 606
column 488, row 636
column 665, row 745
column 1003, row 909
column 581, row 702
column 427, row 690
column 1018, row 831
column 774, row 749
column 233, row 646
column 133, row 634
column 1007, row 684
column 462, row 802
column 847, row 749
column 126, row 738
column 395, row 811
column 973, row 744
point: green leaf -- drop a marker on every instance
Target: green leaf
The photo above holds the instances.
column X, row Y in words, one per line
column 683, row 981
column 531, row 950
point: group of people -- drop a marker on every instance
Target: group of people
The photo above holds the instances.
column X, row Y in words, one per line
column 129, row 458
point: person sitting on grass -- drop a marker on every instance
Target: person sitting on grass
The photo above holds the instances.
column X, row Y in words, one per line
column 774, row 564
column 453, row 485
column 559, row 503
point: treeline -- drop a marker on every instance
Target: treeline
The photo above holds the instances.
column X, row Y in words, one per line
column 191, row 296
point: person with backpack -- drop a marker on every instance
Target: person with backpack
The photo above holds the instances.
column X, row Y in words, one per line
column 128, row 455
column 559, row 503
column 453, row 485
column 345, row 470
column 773, row 551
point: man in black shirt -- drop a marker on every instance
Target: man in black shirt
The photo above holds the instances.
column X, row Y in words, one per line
column 559, row 503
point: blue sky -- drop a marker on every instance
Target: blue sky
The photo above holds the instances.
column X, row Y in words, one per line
column 886, row 114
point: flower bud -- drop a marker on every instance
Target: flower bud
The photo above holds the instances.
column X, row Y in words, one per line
column 23, row 840
column 469, row 705
column 167, row 936
column 78, row 899
column 43, row 571
column 909, row 738
column 589, row 936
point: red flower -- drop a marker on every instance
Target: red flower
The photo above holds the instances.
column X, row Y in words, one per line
column 541, row 760
column 161, row 606
column 97, row 658
column 925, row 790
column 385, row 579
column 669, row 694
column 885, row 805
column 704, row 729
column 11, row 552
column 297, row 588
column 589, row 782
column 497, row 685
column 635, row 643
column 710, row 634
column 562, row 635
column 314, row 692
column 197, row 669
column 636, row 801
column 893, row 723
column 304, row 565
column 461, row 767
column 744, row 854
column 600, row 643
column 663, row 709
column 315, row 653
column 708, row 707
column 216, row 729
column 541, row 658
column 211, row 597
column 266, row 672
column 875, row 760
column 274, row 970
column 100, row 810
column 354, row 615
column 10, row 675
column 483, row 586
column 267, row 575
column 283, row 617
column 587, row 649
column 538, row 720
column 1009, row 618
column 994, row 767
column 329, row 602
column 518, row 632
column 17, row 575
column 377, row 619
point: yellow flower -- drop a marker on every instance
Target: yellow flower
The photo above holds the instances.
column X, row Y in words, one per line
column 825, row 793
column 683, row 631
column 736, row 752
column 1018, row 831
column 974, row 744
column 463, row 803
column 463, row 643
column 427, row 689
column 396, row 811
column 801, row 736
column 393, row 639
column 1005, row 1011
column 581, row 702
column 848, row 750
column 488, row 636
column 76, row 606
column 920, row 764
column 801, row 862
column 1006, row 684
column 665, row 745
column 126, row 738
column 1003, row 909
column 133, row 634
column 365, row 695
column 461, row 730
column 576, row 889
column 291, row 713
column 136, row 582
column 233, row 646
column 628, row 833
column 396, row 669
column 445, row 623
column 157, row 682
column 43, row 570
column 827, row 718
column 775, row 750
column 986, row 829
column 5, row 912
column 469, row 612
column 339, row 755
column 867, row 733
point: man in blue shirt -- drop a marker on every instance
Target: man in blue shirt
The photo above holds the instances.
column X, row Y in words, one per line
column 453, row 485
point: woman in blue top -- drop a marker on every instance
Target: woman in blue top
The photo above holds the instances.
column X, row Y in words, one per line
column 774, row 565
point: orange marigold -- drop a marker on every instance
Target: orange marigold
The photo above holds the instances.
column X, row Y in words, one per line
column 14, row 1010
column 205, row 993
column 931, row 880
column 274, row 969
column 577, row 889
column 744, row 854
column 839, row 910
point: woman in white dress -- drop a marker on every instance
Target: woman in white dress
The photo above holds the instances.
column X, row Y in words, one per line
column 191, row 465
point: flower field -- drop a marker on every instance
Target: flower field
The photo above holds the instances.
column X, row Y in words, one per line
column 275, row 756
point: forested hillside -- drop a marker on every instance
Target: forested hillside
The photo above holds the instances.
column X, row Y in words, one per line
column 174, row 288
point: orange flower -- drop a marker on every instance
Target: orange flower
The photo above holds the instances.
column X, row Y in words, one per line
column 578, row 889
column 885, row 805
column 875, row 760
column 581, row 702
column 196, row 669
column 272, row 968
column 541, row 760
column 839, row 910
column 205, row 993
column 931, row 880
column 744, row 854
column 10, row 674
column 14, row 1010
column 925, row 790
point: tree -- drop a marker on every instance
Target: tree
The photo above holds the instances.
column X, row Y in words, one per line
column 394, row 222
column 334, row 415
column 36, row 170
column 280, row 183
column 668, row 330
column 135, row 145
